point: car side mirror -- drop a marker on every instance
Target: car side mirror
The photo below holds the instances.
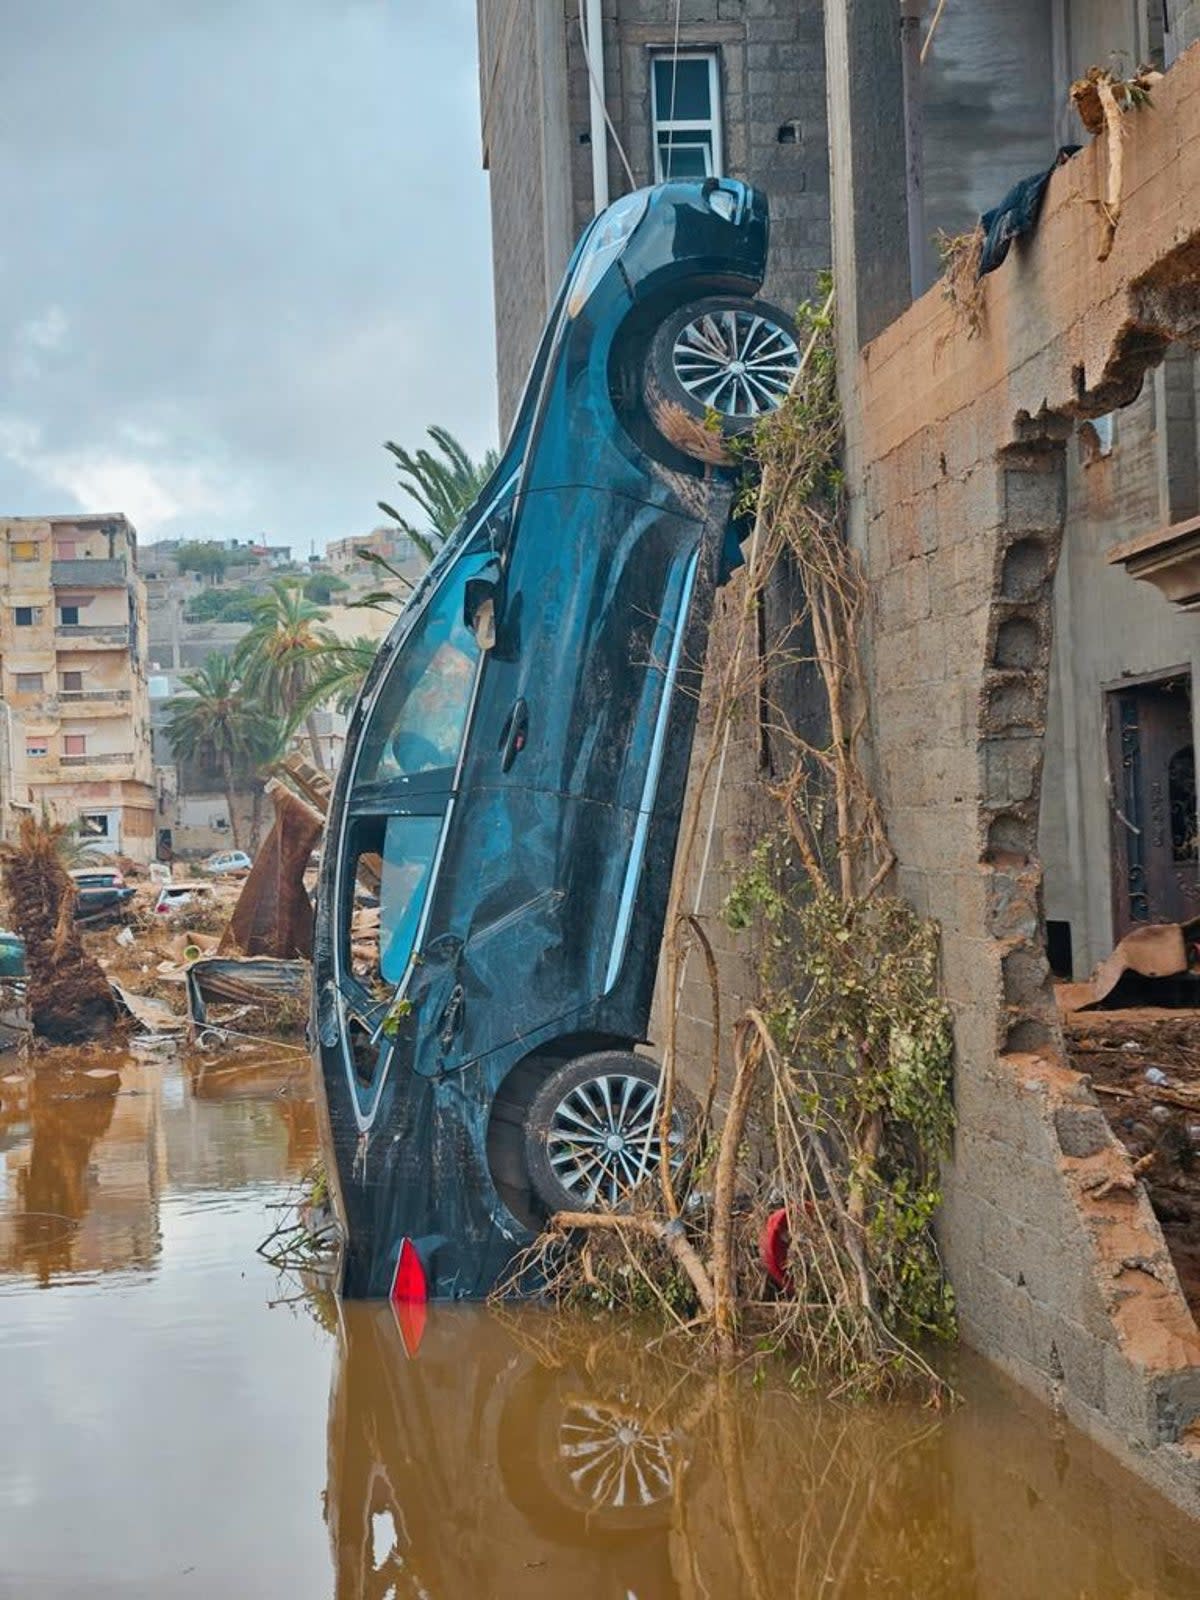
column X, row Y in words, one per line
column 479, row 604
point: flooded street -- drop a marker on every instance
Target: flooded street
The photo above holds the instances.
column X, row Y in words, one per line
column 172, row 1429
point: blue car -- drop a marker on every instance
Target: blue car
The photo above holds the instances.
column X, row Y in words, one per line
column 515, row 767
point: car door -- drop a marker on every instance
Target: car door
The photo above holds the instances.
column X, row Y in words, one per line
column 533, row 900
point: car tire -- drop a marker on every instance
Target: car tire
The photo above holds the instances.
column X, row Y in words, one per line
column 607, row 1094
column 693, row 394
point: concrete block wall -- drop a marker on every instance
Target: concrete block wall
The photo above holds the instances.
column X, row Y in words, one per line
column 957, row 467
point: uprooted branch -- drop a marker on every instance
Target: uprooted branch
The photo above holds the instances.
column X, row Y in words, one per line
column 837, row 1107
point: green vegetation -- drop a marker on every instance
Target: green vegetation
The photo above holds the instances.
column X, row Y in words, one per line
column 444, row 482
column 221, row 605
column 278, row 660
column 218, row 720
column 321, row 587
column 204, row 558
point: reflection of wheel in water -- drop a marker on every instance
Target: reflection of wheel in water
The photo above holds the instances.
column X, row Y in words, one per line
column 613, row 1461
column 580, row 1466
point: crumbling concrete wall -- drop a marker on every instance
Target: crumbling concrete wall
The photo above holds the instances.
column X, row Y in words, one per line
column 955, row 458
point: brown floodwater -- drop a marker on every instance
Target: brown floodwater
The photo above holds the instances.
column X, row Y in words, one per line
column 178, row 1423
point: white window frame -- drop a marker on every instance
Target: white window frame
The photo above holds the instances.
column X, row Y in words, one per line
column 679, row 125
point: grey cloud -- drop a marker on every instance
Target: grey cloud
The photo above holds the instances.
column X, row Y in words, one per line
column 243, row 244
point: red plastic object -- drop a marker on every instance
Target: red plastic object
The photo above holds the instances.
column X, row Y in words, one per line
column 410, row 1297
column 773, row 1244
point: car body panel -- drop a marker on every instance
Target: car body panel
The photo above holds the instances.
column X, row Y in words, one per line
column 524, row 824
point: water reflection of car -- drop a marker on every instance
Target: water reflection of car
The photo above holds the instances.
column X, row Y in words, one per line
column 99, row 892
column 516, row 762
column 475, row 1470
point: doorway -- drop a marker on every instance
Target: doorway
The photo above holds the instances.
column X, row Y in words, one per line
column 1152, row 784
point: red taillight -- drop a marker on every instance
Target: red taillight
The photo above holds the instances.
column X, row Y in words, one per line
column 409, row 1297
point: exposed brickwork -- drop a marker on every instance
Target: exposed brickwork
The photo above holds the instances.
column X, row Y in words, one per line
column 957, row 460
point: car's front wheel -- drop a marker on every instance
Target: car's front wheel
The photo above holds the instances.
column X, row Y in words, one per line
column 715, row 369
column 592, row 1135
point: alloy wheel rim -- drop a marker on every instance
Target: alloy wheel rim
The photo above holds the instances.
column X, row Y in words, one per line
column 603, row 1138
column 736, row 362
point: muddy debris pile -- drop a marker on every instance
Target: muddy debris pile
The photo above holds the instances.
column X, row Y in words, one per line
column 1144, row 1064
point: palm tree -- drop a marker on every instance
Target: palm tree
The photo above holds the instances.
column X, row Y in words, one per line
column 444, row 485
column 277, row 659
column 217, row 720
column 340, row 670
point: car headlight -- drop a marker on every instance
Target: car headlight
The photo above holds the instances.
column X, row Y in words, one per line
column 723, row 203
column 609, row 239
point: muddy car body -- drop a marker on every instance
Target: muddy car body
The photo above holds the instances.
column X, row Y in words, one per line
column 516, row 762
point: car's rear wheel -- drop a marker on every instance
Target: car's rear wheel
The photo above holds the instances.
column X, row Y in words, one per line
column 715, row 369
column 591, row 1133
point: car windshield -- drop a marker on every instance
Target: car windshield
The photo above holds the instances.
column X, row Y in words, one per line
column 418, row 721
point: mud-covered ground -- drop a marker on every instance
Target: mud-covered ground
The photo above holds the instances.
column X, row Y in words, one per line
column 1145, row 1065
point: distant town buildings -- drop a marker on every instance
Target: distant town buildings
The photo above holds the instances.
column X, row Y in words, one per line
column 73, row 653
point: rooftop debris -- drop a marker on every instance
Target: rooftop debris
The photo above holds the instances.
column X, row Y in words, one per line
column 69, row 997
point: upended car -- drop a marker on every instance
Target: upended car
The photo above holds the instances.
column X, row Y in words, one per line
column 516, row 762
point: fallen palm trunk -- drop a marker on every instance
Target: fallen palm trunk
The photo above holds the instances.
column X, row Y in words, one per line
column 69, row 997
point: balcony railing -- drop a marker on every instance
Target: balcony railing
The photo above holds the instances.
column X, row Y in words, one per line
column 93, row 633
column 89, row 573
column 74, row 696
column 106, row 760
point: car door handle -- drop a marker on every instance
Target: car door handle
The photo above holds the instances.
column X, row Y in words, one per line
column 514, row 734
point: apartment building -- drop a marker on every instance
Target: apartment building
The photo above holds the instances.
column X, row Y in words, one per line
column 73, row 637
column 389, row 544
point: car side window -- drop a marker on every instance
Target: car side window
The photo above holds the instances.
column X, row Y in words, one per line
column 408, row 850
column 418, row 721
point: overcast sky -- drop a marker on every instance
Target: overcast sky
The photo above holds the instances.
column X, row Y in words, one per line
column 243, row 242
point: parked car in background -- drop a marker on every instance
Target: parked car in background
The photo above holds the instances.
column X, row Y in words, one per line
column 516, row 762
column 228, row 862
column 99, row 892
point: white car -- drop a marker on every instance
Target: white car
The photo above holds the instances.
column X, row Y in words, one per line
column 228, row 861
column 174, row 897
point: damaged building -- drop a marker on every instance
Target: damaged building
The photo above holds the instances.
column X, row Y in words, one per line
column 1023, row 474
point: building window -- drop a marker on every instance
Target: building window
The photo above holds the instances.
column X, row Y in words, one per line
column 687, row 116
column 74, row 744
column 24, row 549
column 68, row 616
column 72, row 682
column 35, row 749
column 64, row 549
column 93, row 825
column 26, row 616
column 29, row 683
